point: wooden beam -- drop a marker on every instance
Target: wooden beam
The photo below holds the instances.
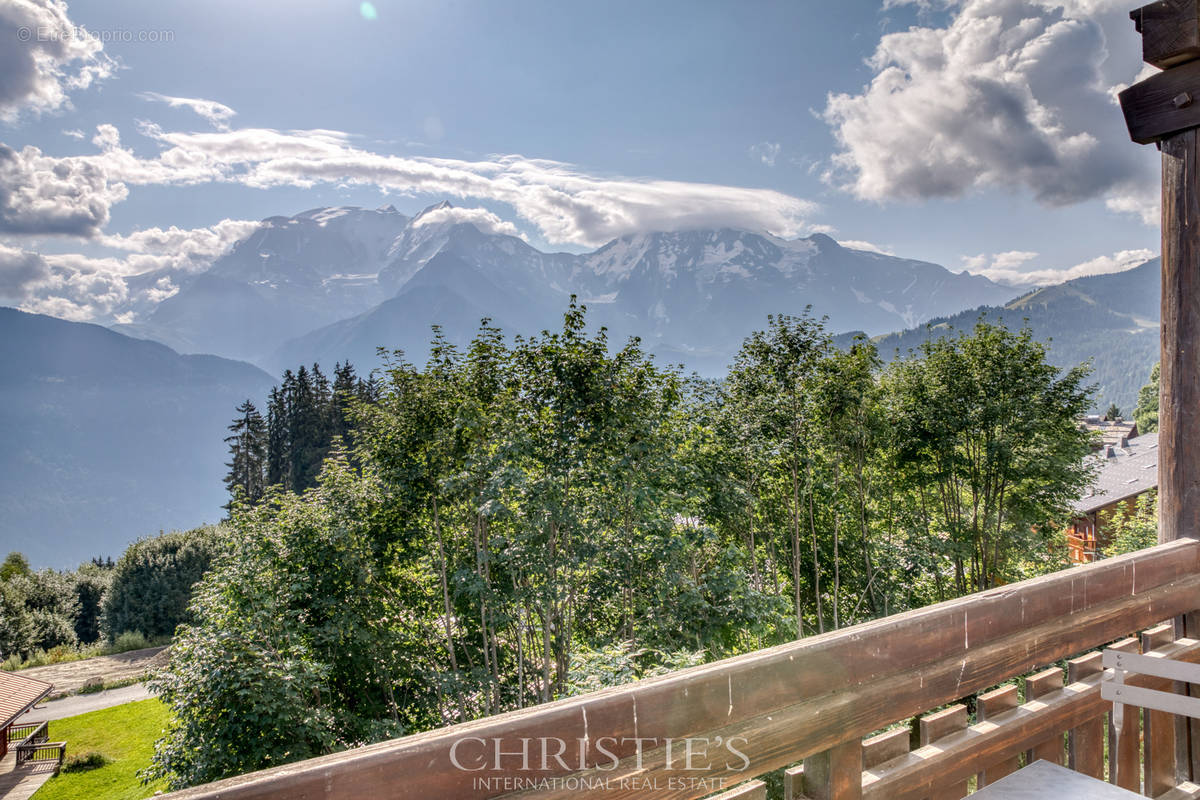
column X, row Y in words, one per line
column 1170, row 32
column 1163, row 104
column 1179, row 397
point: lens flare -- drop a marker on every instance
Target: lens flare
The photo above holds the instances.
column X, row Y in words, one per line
column 368, row 10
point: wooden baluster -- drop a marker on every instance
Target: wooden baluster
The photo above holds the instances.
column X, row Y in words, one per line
column 937, row 726
column 1040, row 685
column 835, row 774
column 885, row 746
column 1085, row 743
column 793, row 783
column 1125, row 751
column 1158, row 736
column 988, row 706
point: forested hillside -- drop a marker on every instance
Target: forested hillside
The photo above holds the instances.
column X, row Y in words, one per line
column 1109, row 320
column 107, row 438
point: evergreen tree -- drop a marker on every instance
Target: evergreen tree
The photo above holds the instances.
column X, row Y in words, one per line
column 248, row 456
column 278, row 460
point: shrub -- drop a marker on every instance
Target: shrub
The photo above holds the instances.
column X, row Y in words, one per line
column 84, row 762
column 92, row 686
column 129, row 640
column 152, row 582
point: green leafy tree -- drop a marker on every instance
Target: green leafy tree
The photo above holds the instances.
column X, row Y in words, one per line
column 290, row 654
column 987, row 432
column 1132, row 526
column 1146, row 412
column 1113, row 413
column 153, row 579
column 15, row 564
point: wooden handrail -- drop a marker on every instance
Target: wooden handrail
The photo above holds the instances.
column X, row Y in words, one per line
column 774, row 706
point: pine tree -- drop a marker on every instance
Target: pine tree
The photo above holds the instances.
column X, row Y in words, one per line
column 278, row 459
column 248, row 455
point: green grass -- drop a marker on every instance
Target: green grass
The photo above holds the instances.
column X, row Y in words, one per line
column 125, row 735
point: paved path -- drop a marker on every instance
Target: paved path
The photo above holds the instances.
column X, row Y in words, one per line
column 20, row 784
column 83, row 703
column 69, row 677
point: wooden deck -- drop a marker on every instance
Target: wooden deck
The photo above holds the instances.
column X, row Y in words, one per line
column 20, row 784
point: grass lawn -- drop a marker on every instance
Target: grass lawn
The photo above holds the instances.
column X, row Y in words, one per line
column 123, row 734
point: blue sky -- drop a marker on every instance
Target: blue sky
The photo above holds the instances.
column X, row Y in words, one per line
column 972, row 133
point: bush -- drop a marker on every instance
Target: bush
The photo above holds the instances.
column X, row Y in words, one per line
column 129, row 640
column 152, row 582
column 84, row 762
column 92, row 686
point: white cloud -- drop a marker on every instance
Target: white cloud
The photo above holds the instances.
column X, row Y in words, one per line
column 119, row 287
column 45, row 56
column 41, row 194
column 1011, row 93
column 1005, row 267
column 217, row 114
column 75, row 133
column 481, row 218
column 20, row 271
column 766, row 152
column 870, row 247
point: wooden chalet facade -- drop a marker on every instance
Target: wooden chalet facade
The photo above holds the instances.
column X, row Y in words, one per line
column 1126, row 471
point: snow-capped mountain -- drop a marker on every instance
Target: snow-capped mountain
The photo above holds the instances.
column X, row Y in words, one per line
column 290, row 275
column 332, row 284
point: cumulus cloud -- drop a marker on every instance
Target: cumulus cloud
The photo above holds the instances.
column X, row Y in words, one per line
column 1006, row 267
column 217, row 114
column 41, row 194
column 120, row 287
column 1010, row 93
column 481, row 218
column 45, row 57
column 765, row 152
column 20, row 270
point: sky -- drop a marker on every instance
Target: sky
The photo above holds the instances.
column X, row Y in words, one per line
column 140, row 137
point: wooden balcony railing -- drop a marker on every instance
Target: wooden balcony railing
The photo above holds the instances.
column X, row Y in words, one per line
column 717, row 727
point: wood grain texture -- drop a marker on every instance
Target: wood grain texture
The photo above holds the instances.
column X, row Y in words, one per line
column 1125, row 750
column 1163, row 104
column 1038, row 686
column 835, row 774
column 1158, row 734
column 988, row 706
column 885, row 746
column 1085, row 743
column 912, row 777
column 786, row 702
column 750, row 790
column 1170, row 32
column 935, row 727
column 1179, row 397
column 793, row 783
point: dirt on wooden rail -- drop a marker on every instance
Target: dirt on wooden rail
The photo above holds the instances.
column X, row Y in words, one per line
column 70, row 677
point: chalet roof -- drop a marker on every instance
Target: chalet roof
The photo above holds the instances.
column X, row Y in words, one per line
column 1110, row 432
column 1124, row 472
column 18, row 694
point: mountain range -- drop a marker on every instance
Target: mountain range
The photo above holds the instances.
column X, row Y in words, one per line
column 1110, row 320
column 332, row 284
column 108, row 438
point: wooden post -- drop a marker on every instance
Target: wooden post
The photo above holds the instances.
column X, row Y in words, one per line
column 1165, row 109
